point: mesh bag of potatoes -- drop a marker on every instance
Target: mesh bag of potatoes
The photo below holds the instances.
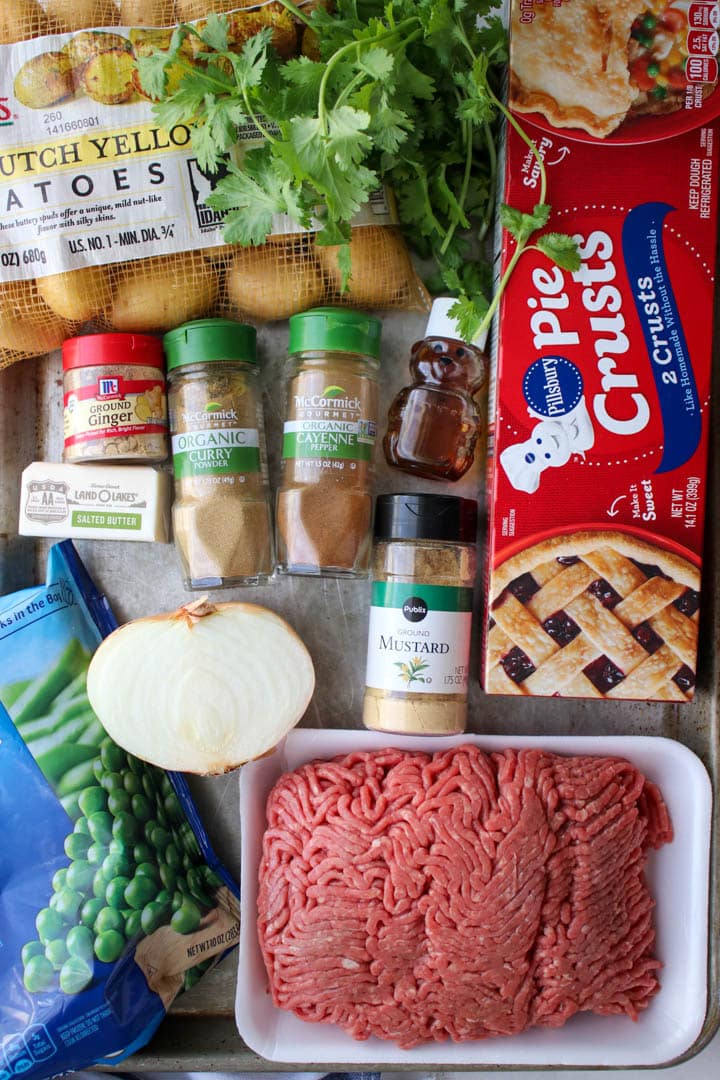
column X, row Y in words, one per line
column 191, row 280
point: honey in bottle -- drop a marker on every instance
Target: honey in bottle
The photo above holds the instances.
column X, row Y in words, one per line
column 434, row 424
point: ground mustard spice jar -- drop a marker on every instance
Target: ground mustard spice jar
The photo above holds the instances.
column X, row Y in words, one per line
column 114, row 405
column 423, row 568
column 221, row 513
column 324, row 504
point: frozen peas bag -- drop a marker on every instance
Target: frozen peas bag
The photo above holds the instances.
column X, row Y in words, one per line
column 111, row 898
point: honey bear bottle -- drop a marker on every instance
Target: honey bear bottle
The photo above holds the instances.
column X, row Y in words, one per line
column 434, row 424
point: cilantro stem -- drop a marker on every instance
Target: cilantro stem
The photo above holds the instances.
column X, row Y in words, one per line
column 255, row 118
column 201, row 74
column 490, row 205
column 467, row 132
column 289, row 6
column 356, row 46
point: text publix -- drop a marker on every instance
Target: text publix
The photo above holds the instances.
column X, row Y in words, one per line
column 620, row 407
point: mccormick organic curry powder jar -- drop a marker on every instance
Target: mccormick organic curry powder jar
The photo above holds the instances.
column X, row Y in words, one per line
column 324, row 504
column 221, row 513
column 423, row 566
column 114, row 405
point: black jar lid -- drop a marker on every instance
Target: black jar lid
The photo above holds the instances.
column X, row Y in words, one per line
column 417, row 516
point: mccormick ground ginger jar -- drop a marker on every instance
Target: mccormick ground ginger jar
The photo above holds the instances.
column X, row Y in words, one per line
column 324, row 504
column 221, row 513
column 423, row 568
column 114, row 405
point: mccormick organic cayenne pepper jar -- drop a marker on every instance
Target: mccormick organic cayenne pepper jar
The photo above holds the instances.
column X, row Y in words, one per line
column 114, row 405
column 324, row 505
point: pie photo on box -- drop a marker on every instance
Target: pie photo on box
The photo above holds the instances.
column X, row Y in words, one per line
column 599, row 614
column 592, row 64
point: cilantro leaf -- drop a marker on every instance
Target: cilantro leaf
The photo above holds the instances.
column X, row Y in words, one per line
column 521, row 225
column 561, row 248
column 215, row 32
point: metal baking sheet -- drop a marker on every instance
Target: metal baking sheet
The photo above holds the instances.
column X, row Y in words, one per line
column 331, row 616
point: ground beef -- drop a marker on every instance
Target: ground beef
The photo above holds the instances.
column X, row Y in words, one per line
column 459, row 895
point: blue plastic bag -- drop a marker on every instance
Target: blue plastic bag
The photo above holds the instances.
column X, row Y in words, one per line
column 111, row 898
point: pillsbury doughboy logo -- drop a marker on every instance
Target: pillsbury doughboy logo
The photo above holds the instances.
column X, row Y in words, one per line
column 553, row 390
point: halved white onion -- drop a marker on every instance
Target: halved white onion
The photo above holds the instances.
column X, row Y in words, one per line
column 202, row 689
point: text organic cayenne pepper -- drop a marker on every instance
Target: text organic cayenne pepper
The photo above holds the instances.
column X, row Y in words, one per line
column 324, row 505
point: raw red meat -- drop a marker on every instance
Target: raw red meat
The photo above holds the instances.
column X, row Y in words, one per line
column 459, row 895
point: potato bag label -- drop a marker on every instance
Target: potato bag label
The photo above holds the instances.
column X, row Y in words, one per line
column 87, row 176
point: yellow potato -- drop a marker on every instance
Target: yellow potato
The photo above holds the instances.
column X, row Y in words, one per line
column 147, row 12
column 196, row 9
column 380, row 265
column 21, row 19
column 27, row 325
column 161, row 293
column 44, row 80
column 69, row 15
column 108, row 77
column 90, row 43
column 77, row 294
column 268, row 283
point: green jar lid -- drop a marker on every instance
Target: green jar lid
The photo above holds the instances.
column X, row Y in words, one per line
column 206, row 340
column 336, row 330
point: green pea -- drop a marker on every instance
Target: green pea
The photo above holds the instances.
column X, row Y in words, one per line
column 118, row 802
column 117, row 866
column 178, row 900
column 168, row 877
column 189, row 840
column 57, row 953
column 164, row 897
column 125, row 827
column 75, row 975
column 143, row 853
column 138, row 767
column 188, row 862
column 150, row 827
column 117, row 847
column 166, row 787
column 148, row 869
column 39, row 975
column 111, row 781
column 96, row 853
column 182, row 885
column 69, row 902
column 173, row 808
column 76, row 845
column 101, row 824
column 92, row 799
column 81, row 827
column 32, row 948
column 133, row 924
column 113, row 758
column 148, row 786
column 132, row 784
column 142, row 809
column 211, row 879
column 187, row 918
column 108, row 919
column 58, row 881
column 140, row 892
column 53, row 902
column 99, row 883
column 80, row 875
column 80, row 942
column 109, row 945
column 90, row 910
column 49, row 924
column 154, row 914
column 173, row 857
column 160, row 838
column 115, row 892
column 98, row 769
column 162, row 818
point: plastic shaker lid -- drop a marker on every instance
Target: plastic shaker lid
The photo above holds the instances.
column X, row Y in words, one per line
column 417, row 516
column 335, row 330
column 100, row 350
column 441, row 325
column 207, row 340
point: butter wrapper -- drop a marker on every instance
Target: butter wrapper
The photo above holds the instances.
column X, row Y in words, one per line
column 95, row 502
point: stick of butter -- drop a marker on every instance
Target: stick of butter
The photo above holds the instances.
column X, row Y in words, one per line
column 94, row 502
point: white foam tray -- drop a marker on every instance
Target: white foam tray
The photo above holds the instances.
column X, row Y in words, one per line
column 677, row 876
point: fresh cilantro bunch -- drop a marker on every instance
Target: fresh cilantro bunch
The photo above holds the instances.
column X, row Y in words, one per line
column 404, row 94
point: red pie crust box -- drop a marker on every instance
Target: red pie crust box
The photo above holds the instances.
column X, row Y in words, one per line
column 601, row 412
